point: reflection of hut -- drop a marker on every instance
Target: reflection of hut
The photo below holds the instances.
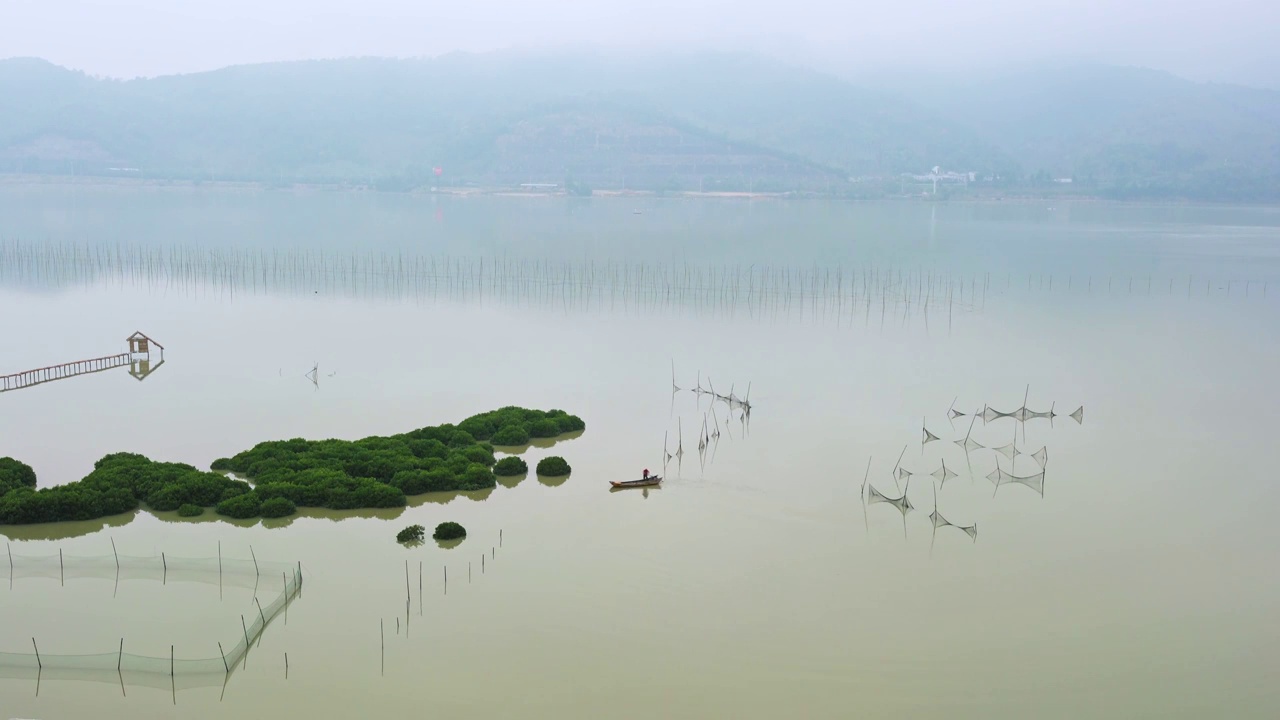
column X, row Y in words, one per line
column 140, row 355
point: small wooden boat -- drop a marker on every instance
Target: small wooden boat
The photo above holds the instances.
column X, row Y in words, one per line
column 646, row 482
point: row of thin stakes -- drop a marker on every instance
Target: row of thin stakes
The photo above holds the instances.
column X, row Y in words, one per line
column 756, row 287
column 408, row 597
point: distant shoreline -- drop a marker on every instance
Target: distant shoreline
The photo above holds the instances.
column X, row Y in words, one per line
column 11, row 180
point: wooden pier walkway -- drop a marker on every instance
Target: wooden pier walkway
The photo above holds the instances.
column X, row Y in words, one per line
column 138, row 360
column 26, row 379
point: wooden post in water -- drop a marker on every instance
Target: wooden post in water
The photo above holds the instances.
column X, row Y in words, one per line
column 120, row 656
column 224, row 659
column 170, row 661
column 61, row 574
column 255, row 560
column 407, row 595
column 499, row 537
column 165, row 580
column 39, row 664
column 246, row 640
column 261, row 616
column 116, row 554
column 286, row 666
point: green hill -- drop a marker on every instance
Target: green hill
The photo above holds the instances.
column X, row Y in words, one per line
column 1128, row 131
column 710, row 121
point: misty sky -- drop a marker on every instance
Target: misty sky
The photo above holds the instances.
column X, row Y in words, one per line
column 1231, row 40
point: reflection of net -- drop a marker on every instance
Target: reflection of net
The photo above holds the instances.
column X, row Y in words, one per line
column 213, row 571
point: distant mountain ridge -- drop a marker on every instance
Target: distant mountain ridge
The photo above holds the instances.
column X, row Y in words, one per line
column 611, row 120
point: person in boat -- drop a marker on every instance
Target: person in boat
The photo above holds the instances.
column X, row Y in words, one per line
column 646, row 473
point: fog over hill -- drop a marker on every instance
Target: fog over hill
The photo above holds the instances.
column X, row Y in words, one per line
column 638, row 120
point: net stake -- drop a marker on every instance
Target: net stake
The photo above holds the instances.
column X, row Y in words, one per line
column 224, row 659
column 61, row 574
column 120, row 656
column 255, row 560
column 116, row 554
column 246, row 640
column 39, row 664
column 171, row 661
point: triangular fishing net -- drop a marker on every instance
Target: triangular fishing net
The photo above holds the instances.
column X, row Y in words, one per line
column 1035, row 482
column 1009, row 451
column 928, row 436
column 969, row 444
column 943, row 474
column 1041, row 456
column 903, row 503
column 989, row 414
column 1078, row 415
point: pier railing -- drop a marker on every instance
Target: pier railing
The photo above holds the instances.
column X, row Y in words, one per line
column 28, row 378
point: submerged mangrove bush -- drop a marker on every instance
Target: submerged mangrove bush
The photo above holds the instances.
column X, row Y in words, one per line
column 189, row 510
column 375, row 472
column 449, row 531
column 553, row 466
column 509, row 466
column 411, row 534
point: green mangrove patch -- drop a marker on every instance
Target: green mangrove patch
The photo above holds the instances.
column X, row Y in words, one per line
column 509, row 466
column 375, row 472
column 553, row 466
column 449, row 531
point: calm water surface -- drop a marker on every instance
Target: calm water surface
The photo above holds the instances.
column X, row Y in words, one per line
column 757, row 582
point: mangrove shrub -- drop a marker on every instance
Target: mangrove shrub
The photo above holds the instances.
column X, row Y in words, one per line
column 553, row 466
column 510, row 465
column 449, row 531
column 189, row 510
column 278, row 507
column 411, row 534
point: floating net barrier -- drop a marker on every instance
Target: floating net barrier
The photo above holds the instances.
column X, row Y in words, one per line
column 161, row 568
column 222, row 657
